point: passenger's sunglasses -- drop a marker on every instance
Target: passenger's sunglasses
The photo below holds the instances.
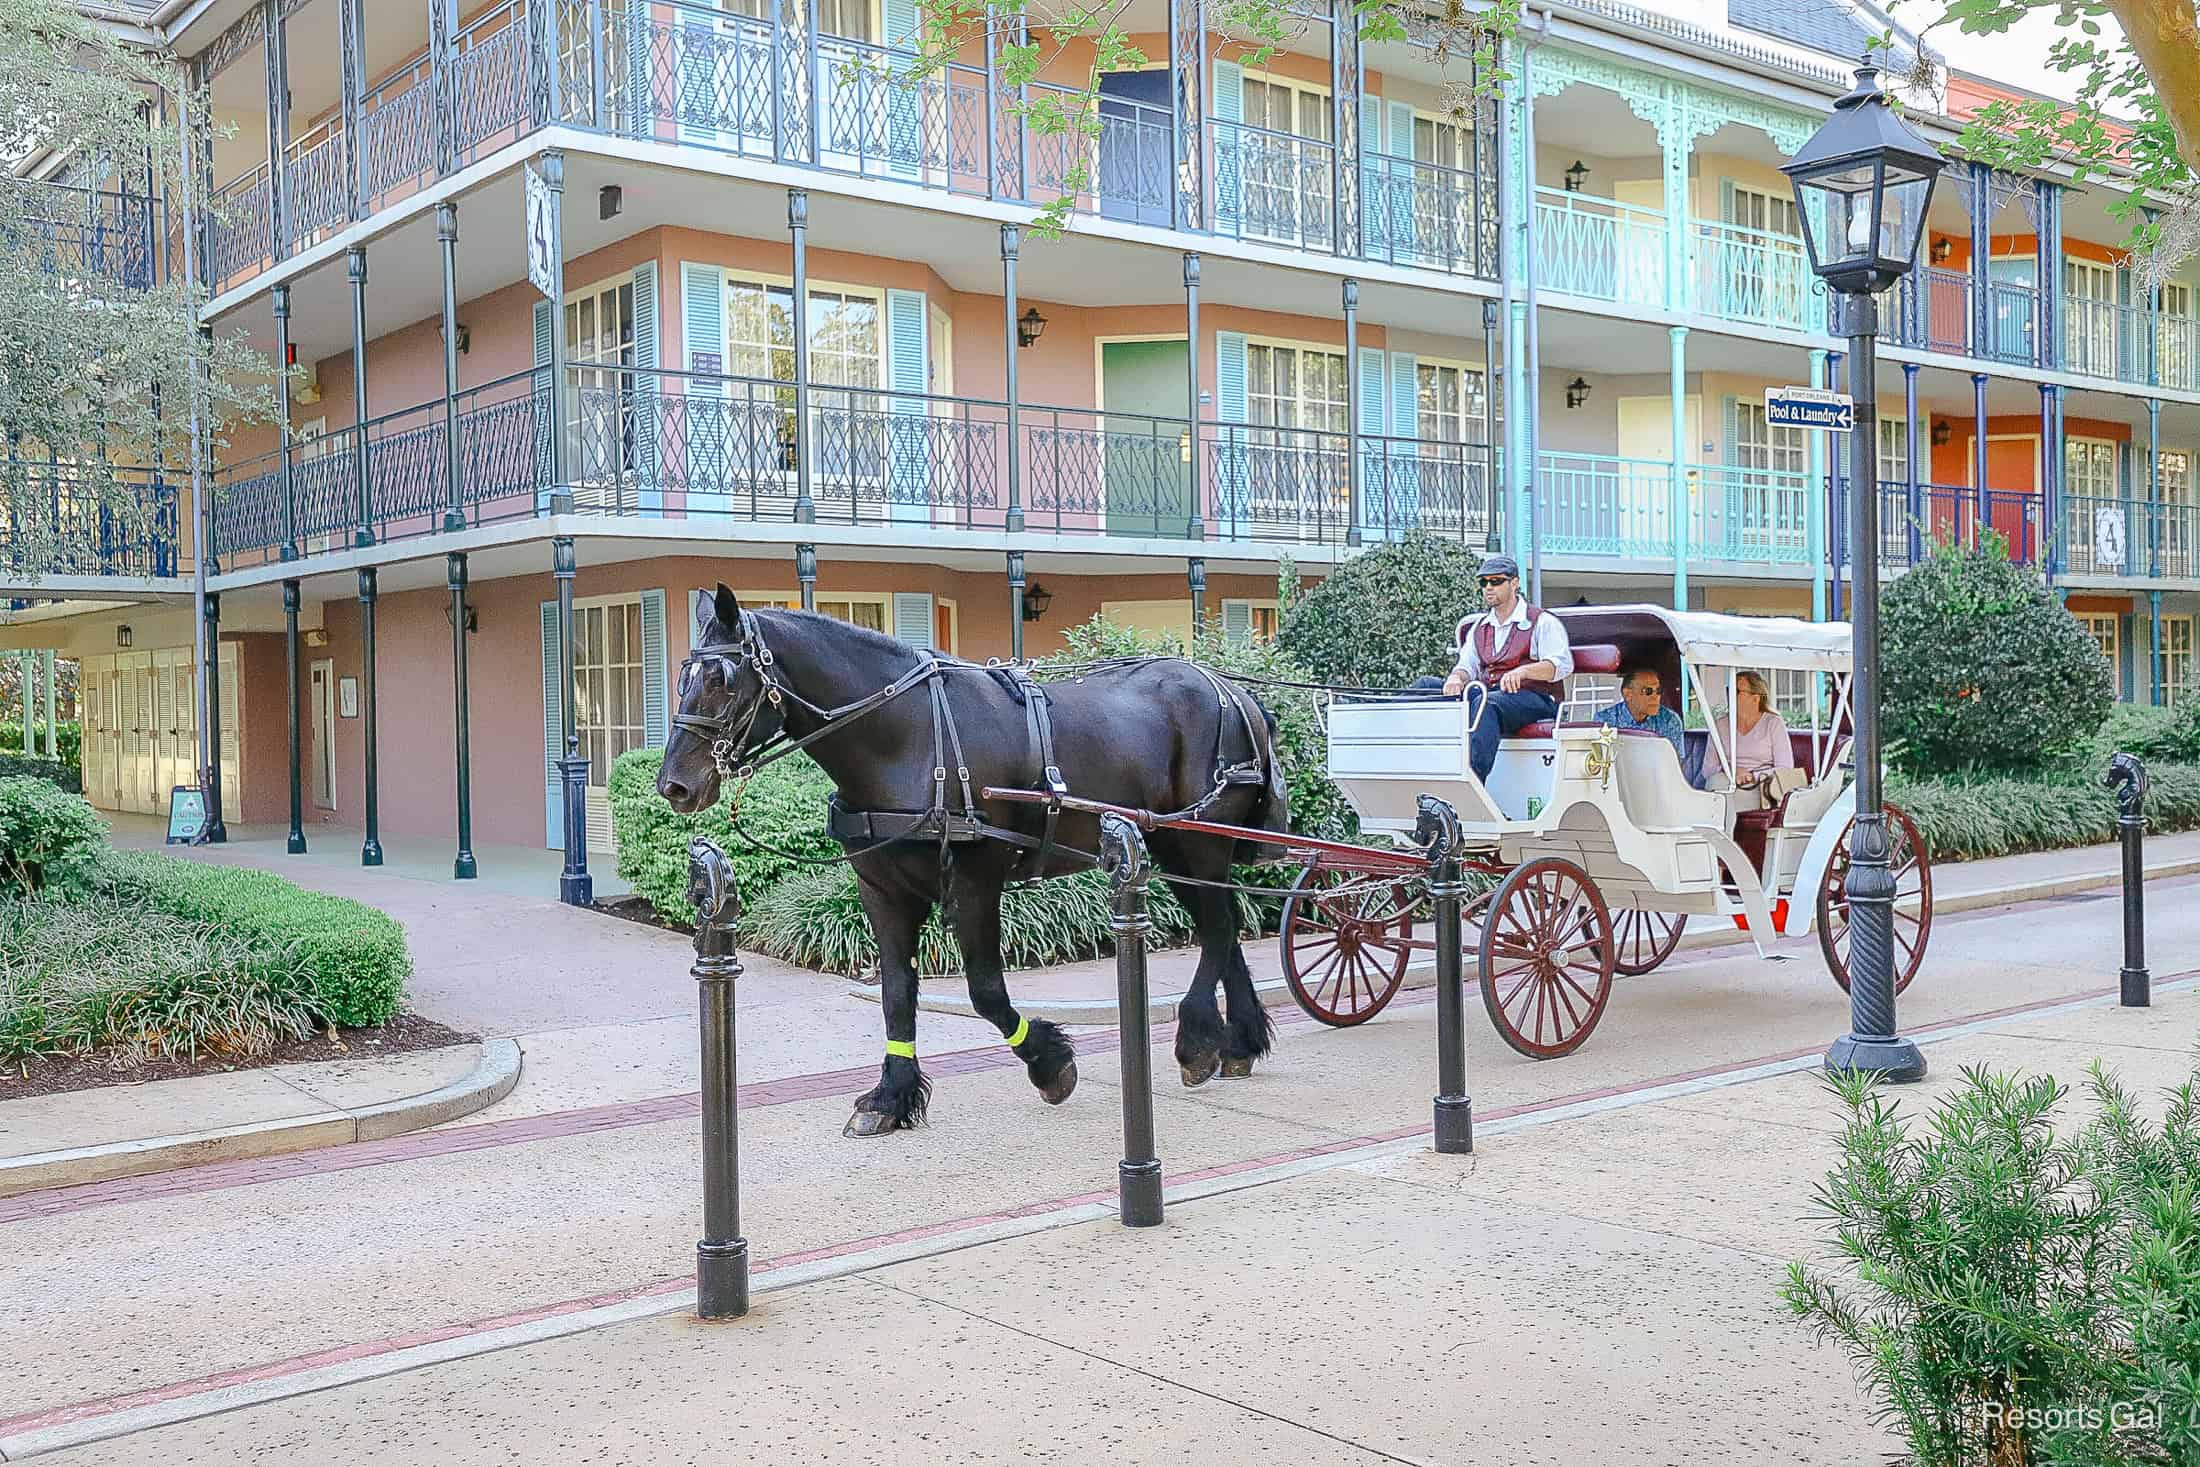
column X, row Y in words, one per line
column 1496, row 580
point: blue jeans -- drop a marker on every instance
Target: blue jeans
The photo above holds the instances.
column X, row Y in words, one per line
column 1506, row 715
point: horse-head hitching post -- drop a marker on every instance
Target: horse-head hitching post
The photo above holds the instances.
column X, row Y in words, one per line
column 2128, row 778
column 1436, row 830
column 722, row 1257
column 1138, row 1176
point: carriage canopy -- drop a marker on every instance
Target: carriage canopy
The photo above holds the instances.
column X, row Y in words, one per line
column 1713, row 639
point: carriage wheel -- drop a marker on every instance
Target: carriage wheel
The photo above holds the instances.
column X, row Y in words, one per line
column 1642, row 940
column 1912, row 869
column 1547, row 955
column 1345, row 954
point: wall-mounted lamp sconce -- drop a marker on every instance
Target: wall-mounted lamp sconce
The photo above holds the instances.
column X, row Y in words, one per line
column 610, row 199
column 1037, row 599
column 1576, row 175
column 1941, row 249
column 1030, row 326
column 1942, row 433
column 1577, row 392
column 473, row 617
column 124, row 637
column 465, row 337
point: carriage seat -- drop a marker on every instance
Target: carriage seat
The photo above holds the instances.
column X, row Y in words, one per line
column 1597, row 659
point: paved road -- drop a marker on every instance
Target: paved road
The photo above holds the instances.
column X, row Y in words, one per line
column 581, row 1189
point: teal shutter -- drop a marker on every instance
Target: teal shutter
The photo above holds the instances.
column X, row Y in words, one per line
column 656, row 712
column 639, row 104
column 1399, row 191
column 1371, row 165
column 1730, row 415
column 1229, row 105
column 1232, row 451
column 1731, row 501
column 904, row 96
column 1405, row 450
column 553, row 730
column 1373, row 404
column 913, row 618
column 703, row 335
column 694, row 39
column 1237, row 623
column 2126, row 663
column 545, row 323
column 908, row 465
column 648, row 391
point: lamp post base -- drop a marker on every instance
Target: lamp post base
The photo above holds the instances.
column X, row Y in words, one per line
column 1897, row 1061
column 722, row 1279
column 1454, row 1125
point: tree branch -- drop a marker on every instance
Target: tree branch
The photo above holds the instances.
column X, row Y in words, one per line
column 2165, row 34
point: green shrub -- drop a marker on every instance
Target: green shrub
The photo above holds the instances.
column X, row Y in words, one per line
column 1968, row 817
column 92, row 973
column 68, row 741
column 61, row 776
column 784, row 806
column 815, row 919
column 1387, row 616
column 1983, row 669
column 2150, row 733
column 49, row 839
column 353, row 956
column 2011, row 1296
column 2182, row 741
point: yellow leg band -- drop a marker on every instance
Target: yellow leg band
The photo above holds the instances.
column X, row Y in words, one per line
column 907, row 1049
column 1023, row 1032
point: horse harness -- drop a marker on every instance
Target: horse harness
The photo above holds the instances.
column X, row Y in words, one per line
column 739, row 755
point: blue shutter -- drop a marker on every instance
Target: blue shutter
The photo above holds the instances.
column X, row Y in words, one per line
column 553, row 730
column 1231, row 448
column 904, row 96
column 912, row 618
column 545, row 323
column 695, row 45
column 1405, row 451
column 1374, row 419
column 656, row 714
column 908, row 467
column 708, row 414
column 2126, row 663
column 1237, row 623
column 648, row 396
column 1729, row 504
column 1398, row 189
column 1371, row 173
column 639, row 104
column 1229, row 105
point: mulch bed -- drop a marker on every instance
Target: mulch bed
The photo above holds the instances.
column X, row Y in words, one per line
column 637, row 909
column 401, row 1035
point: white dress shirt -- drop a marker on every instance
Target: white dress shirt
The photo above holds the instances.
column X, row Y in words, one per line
column 1548, row 644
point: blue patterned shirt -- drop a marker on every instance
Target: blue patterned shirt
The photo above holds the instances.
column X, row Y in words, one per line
column 1665, row 723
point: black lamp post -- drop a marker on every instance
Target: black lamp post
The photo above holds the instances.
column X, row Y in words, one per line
column 1862, row 184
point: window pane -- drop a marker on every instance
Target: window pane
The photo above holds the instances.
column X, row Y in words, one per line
column 871, row 614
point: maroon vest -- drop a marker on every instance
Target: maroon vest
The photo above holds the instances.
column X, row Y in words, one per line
column 1516, row 650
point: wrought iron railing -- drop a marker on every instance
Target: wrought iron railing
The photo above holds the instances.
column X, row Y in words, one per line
column 317, row 184
column 1748, row 514
column 1273, row 186
column 397, row 131
column 2012, row 323
column 1427, row 214
column 237, row 233
column 1600, row 248
column 1599, row 504
column 1756, row 276
column 117, row 236
column 1932, row 311
column 490, row 80
column 2129, row 538
column 1910, row 524
column 69, row 519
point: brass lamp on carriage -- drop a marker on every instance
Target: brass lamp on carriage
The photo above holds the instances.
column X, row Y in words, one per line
column 1863, row 184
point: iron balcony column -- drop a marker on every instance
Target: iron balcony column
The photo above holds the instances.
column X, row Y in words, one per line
column 2050, row 502
column 2155, row 511
column 798, row 226
column 1016, row 605
column 216, row 831
column 1494, row 465
column 1912, row 497
column 805, row 574
column 1196, row 574
column 1871, row 1043
column 575, row 886
column 454, row 491
column 561, row 493
column 443, row 139
column 297, row 842
column 462, row 867
column 2157, row 656
column 356, row 267
column 278, row 130
column 53, row 724
column 1195, row 526
column 1010, row 240
column 370, row 851
column 1980, row 198
column 1353, row 490
column 1978, row 452
column 281, row 295
column 351, row 67
column 1678, row 366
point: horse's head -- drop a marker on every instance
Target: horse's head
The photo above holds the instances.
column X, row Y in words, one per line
column 728, row 705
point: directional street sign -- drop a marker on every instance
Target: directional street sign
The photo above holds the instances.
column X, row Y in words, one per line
column 1810, row 407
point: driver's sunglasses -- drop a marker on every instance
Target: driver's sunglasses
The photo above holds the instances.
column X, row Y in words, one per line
column 1496, row 580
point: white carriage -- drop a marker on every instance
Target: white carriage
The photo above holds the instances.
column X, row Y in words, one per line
column 1605, row 841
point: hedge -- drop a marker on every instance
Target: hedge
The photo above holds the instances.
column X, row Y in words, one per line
column 784, row 806
column 1968, row 818
column 68, row 741
column 50, row 840
column 1387, row 616
column 61, row 776
column 353, row 955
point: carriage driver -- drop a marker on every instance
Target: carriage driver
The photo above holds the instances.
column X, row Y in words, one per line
column 1515, row 656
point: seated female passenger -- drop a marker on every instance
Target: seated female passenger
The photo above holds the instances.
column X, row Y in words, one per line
column 1755, row 738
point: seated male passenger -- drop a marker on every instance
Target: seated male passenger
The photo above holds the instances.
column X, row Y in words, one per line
column 1642, row 705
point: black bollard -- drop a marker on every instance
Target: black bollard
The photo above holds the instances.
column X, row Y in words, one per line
column 722, row 1257
column 1138, row 1178
column 1437, row 831
column 2128, row 778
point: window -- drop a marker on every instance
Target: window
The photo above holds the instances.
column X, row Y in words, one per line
column 2102, row 627
column 1449, row 403
column 2176, row 659
column 2178, row 528
column 1445, row 143
column 1286, row 166
column 847, row 349
column 1245, row 622
column 599, row 340
column 868, row 612
column 1772, row 213
column 607, row 683
column 1758, row 445
column 1295, row 387
column 2089, row 329
column 1894, row 450
column 2174, row 334
column 2089, row 468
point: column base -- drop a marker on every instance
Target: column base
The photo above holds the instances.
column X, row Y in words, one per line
column 722, row 1279
column 464, row 869
column 296, row 845
column 363, row 538
column 217, row 834
column 1454, row 1125
column 1013, row 521
column 1138, row 1193
column 370, row 854
column 576, row 890
column 1896, row 1060
column 805, row 511
column 2138, row 988
column 454, row 520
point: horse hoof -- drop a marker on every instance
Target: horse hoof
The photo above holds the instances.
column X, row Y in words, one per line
column 1198, row 1072
column 867, row 1123
column 1064, row 1084
column 1237, row 1069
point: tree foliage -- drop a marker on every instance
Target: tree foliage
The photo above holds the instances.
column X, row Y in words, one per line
column 1982, row 669
column 96, row 355
column 1387, row 616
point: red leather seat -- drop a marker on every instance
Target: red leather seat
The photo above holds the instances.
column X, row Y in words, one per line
column 1597, row 657
column 1547, row 728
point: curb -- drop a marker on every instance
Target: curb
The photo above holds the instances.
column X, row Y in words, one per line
column 494, row 1074
column 1275, row 993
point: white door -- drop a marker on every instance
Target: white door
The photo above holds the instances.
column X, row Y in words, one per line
column 1643, row 498
column 322, row 684
column 2089, row 334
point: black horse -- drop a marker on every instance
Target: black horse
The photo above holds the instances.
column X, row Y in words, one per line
column 1155, row 734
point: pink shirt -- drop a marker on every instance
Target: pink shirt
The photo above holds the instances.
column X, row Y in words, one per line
column 1755, row 750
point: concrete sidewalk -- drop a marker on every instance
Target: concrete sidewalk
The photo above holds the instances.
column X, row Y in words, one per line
column 1597, row 1283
